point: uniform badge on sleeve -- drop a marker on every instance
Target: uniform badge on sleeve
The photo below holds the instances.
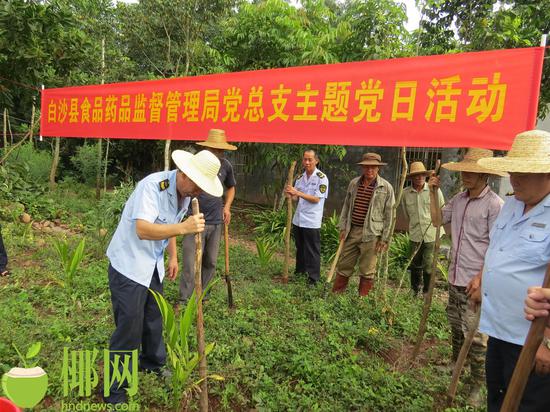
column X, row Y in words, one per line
column 323, row 188
column 165, row 184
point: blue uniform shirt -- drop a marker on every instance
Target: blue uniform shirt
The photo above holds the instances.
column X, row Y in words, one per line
column 518, row 253
column 308, row 214
column 135, row 258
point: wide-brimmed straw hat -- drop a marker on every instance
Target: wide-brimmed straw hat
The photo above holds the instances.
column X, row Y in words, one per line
column 418, row 168
column 216, row 139
column 530, row 153
column 202, row 168
column 470, row 164
column 372, row 159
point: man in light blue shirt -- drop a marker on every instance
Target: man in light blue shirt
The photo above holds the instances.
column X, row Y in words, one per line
column 149, row 224
column 310, row 190
column 517, row 257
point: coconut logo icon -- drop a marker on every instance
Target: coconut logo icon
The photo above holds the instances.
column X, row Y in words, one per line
column 26, row 386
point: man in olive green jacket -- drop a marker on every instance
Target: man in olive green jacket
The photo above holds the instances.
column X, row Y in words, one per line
column 365, row 223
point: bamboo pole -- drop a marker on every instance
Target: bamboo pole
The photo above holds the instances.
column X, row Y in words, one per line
column 459, row 365
column 227, row 277
column 524, row 365
column 434, row 207
column 5, row 129
column 288, row 223
column 335, row 261
column 405, row 269
column 200, row 320
column 399, row 197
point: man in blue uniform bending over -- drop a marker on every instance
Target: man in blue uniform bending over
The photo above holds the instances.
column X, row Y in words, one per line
column 150, row 222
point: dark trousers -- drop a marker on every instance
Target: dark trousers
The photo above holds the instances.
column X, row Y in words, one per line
column 499, row 366
column 3, row 254
column 308, row 251
column 421, row 266
column 210, row 248
column 138, row 325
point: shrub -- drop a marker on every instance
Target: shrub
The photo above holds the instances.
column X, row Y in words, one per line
column 39, row 162
column 271, row 227
column 265, row 249
column 330, row 237
column 85, row 162
column 400, row 252
column 17, row 186
column 271, row 224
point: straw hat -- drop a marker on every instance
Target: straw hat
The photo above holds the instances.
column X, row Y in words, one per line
column 470, row 164
column 530, row 153
column 216, row 140
column 202, row 168
column 418, row 168
column 372, row 159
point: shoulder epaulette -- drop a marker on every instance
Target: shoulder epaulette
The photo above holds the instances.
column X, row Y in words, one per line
column 510, row 194
column 165, row 184
column 320, row 174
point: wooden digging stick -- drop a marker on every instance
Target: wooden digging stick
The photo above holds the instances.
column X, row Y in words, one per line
column 288, row 223
column 457, row 371
column 227, row 278
column 335, row 261
column 434, row 206
column 525, row 363
column 200, row 320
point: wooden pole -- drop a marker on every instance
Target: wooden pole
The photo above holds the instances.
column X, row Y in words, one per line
column 55, row 162
column 524, row 366
column 5, row 130
column 288, row 223
column 100, row 141
column 227, row 277
column 398, row 198
column 335, row 261
column 105, row 165
column 200, row 320
column 457, row 371
column 434, row 206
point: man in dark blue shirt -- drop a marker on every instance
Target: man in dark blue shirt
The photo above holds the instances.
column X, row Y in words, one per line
column 216, row 212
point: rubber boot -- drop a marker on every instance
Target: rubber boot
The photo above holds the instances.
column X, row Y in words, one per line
column 340, row 283
column 365, row 285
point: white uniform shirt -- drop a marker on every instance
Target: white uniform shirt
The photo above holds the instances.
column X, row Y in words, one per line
column 309, row 215
column 518, row 254
column 128, row 254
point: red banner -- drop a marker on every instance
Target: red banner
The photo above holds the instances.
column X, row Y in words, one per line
column 479, row 99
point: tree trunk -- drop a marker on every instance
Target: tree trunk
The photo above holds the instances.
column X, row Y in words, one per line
column 5, row 129
column 167, row 154
column 55, row 163
column 98, row 171
column 105, row 166
column 100, row 143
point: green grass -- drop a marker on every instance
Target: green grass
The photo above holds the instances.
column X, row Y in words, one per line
column 285, row 347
